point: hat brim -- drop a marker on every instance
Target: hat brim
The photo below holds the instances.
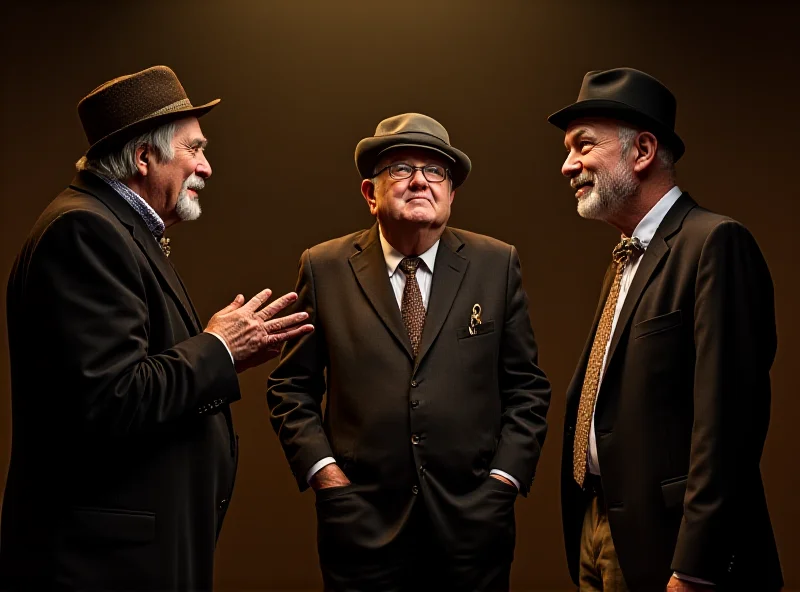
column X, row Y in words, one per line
column 120, row 136
column 621, row 111
column 369, row 150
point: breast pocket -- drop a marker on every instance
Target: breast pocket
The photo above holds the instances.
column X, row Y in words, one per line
column 657, row 324
column 482, row 329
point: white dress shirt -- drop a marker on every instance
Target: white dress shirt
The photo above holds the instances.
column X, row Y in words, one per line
column 644, row 231
column 397, row 279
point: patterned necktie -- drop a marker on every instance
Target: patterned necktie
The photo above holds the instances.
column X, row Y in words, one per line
column 627, row 249
column 412, row 308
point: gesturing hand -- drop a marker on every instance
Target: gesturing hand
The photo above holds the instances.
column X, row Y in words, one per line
column 251, row 333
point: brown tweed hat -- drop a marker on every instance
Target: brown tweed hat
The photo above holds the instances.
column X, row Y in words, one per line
column 128, row 106
column 411, row 130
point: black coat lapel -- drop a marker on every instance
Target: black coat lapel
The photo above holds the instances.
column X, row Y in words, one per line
column 369, row 267
column 92, row 185
column 448, row 273
column 656, row 251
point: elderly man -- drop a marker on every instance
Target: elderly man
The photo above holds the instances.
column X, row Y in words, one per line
column 123, row 452
column 436, row 408
column 668, row 409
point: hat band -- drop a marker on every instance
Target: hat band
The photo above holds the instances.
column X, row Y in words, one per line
column 170, row 108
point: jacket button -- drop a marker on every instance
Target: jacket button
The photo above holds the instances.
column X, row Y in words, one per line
column 415, row 439
column 414, row 404
column 415, row 490
column 222, row 504
column 413, row 384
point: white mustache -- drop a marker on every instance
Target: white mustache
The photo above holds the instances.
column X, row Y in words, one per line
column 584, row 177
column 194, row 182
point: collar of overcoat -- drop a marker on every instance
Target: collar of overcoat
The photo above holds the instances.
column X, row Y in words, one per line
column 90, row 184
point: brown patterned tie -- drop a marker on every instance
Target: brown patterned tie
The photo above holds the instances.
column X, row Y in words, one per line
column 412, row 309
column 627, row 249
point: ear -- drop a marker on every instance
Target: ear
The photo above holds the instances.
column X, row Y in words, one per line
column 143, row 159
column 644, row 150
column 368, row 191
column 452, row 196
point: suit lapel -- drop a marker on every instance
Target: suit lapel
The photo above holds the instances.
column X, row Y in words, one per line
column 92, row 185
column 369, row 267
column 655, row 253
column 448, row 274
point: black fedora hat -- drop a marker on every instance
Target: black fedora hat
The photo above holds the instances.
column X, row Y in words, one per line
column 627, row 95
column 411, row 130
column 128, row 106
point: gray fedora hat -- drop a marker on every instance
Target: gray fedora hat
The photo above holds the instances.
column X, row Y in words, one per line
column 627, row 95
column 411, row 130
column 125, row 107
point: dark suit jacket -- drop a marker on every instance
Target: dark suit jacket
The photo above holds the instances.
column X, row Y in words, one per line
column 397, row 426
column 123, row 453
column 683, row 409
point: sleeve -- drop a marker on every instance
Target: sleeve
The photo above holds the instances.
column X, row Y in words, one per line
column 89, row 321
column 297, row 385
column 735, row 342
column 524, row 388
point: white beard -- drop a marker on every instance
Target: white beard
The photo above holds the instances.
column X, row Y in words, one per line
column 609, row 193
column 188, row 208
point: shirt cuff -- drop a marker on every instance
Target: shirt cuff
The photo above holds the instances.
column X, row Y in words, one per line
column 506, row 475
column 328, row 460
column 227, row 349
column 680, row 576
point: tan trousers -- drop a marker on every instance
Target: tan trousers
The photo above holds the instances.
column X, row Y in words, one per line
column 599, row 569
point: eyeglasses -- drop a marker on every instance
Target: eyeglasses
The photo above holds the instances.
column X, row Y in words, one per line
column 433, row 173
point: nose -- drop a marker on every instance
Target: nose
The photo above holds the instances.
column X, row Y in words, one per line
column 418, row 180
column 571, row 167
column 203, row 167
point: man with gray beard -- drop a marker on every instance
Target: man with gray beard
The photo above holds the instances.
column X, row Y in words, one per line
column 123, row 449
column 668, row 409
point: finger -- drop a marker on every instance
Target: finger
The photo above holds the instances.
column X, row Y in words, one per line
column 256, row 301
column 278, row 325
column 288, row 334
column 237, row 302
column 275, row 307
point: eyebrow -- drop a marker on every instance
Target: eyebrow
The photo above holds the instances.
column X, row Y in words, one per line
column 198, row 143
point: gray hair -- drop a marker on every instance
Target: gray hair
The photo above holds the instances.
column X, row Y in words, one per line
column 665, row 156
column 121, row 163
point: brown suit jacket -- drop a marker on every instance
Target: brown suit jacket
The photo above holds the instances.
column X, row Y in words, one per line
column 405, row 430
column 683, row 410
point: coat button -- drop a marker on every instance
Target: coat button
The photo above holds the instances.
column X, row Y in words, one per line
column 415, row 439
column 413, row 384
column 414, row 404
column 222, row 504
column 415, row 490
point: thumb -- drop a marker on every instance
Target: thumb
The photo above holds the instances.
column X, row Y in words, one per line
column 237, row 302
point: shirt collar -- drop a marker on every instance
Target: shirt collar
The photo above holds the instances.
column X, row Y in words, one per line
column 648, row 225
column 154, row 222
column 393, row 257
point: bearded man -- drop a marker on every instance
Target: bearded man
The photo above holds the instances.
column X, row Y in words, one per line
column 123, row 448
column 669, row 406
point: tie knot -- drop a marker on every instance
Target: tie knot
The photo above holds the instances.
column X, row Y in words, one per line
column 409, row 266
column 627, row 249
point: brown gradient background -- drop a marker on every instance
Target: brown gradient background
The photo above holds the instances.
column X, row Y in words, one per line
column 302, row 82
